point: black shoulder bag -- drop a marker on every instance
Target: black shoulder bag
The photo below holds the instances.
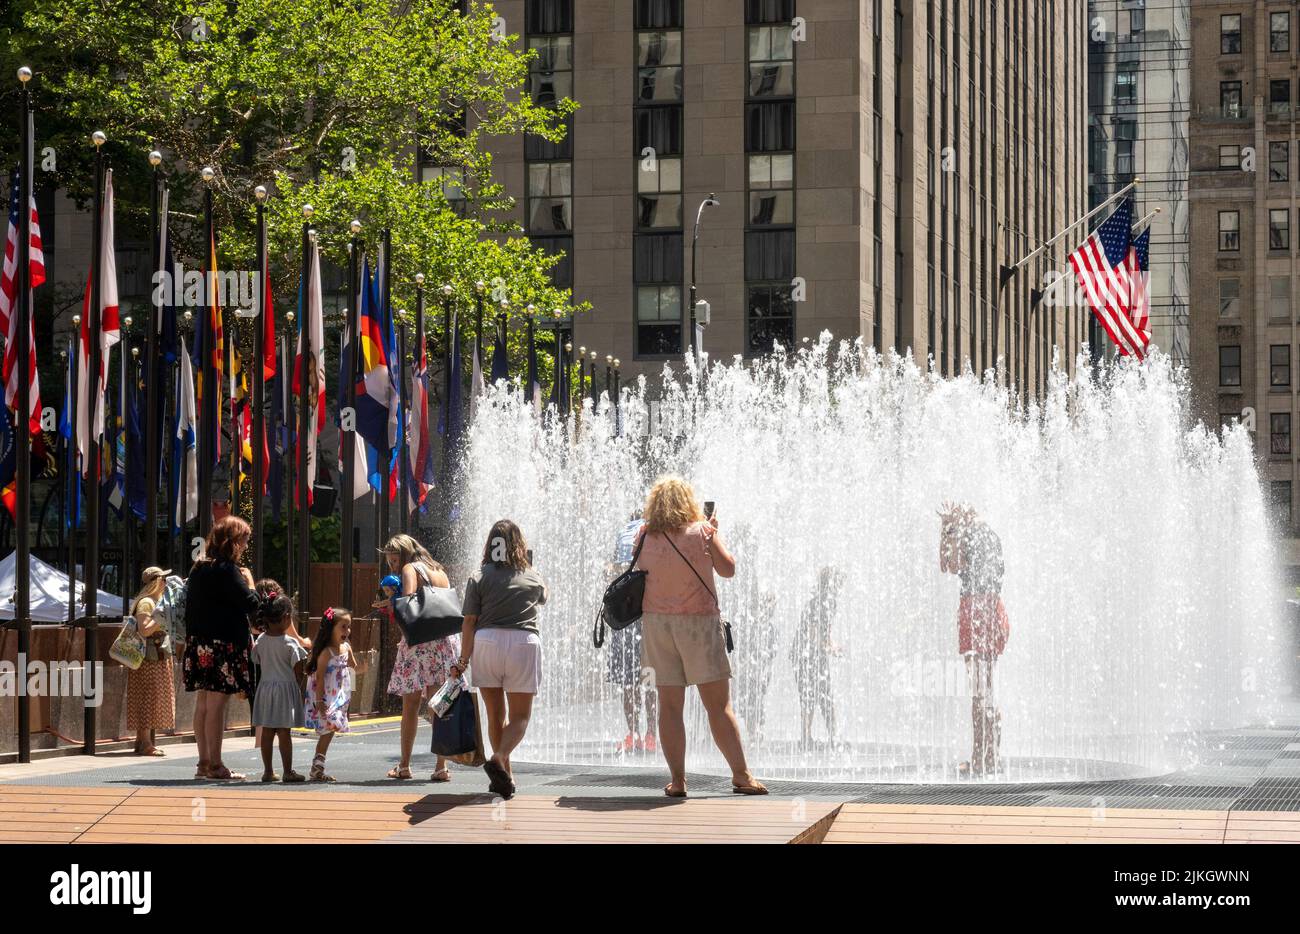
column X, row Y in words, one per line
column 621, row 605
column 726, row 626
column 428, row 614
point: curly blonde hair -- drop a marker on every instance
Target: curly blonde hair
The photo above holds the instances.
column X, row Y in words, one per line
column 671, row 505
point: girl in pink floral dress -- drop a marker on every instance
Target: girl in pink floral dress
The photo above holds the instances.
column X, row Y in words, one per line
column 329, row 685
column 418, row 670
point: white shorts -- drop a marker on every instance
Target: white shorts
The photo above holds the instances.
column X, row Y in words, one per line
column 507, row 658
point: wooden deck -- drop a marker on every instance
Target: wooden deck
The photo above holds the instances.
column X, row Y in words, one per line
column 913, row 823
column 252, row 814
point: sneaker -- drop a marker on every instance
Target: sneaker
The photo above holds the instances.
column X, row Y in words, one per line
column 649, row 743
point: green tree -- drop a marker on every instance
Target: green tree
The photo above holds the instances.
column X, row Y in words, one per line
column 322, row 102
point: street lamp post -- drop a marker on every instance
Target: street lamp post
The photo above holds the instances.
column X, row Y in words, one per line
column 710, row 202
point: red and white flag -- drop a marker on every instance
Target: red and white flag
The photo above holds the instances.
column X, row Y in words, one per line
column 311, row 326
column 8, row 303
column 109, row 333
column 1102, row 265
column 420, row 469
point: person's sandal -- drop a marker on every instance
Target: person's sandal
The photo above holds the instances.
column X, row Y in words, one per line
column 292, row 778
column 269, row 777
column 317, row 773
column 753, row 788
column 499, row 782
column 224, row 774
column 674, row 793
column 442, row 775
column 400, row 772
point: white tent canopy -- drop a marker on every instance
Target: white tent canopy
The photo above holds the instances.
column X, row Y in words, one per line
column 49, row 592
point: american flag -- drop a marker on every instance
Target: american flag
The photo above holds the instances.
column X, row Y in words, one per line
column 1107, row 270
column 8, row 297
column 1140, row 275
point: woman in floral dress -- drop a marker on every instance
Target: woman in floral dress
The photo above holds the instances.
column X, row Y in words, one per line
column 418, row 670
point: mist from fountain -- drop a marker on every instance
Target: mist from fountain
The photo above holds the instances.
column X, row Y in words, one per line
column 1140, row 576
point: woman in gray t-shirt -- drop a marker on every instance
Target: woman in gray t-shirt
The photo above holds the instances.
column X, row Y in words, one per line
column 499, row 636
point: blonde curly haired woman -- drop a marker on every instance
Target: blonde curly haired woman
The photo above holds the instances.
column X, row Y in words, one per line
column 683, row 642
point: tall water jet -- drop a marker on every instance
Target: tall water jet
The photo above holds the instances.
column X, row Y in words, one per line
column 1140, row 578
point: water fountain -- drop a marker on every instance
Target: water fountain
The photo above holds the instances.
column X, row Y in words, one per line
column 1139, row 572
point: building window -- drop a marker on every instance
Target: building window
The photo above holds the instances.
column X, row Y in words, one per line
column 1230, row 34
column 550, row 16
column 769, row 127
column 1278, row 161
column 659, row 67
column 1281, row 496
column 1279, row 96
column 550, row 74
column 658, row 320
column 771, row 61
column 1229, row 157
column 1229, row 231
column 1126, row 80
column 1279, row 229
column 769, row 318
column 659, row 14
column 1230, row 297
column 659, row 193
column 1230, row 365
column 1230, row 98
column 1279, row 432
column 1279, row 32
column 550, row 196
column 1279, row 298
column 771, row 190
column 659, row 128
column 769, row 11
column 1279, row 367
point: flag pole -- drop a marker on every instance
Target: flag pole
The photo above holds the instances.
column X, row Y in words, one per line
column 304, row 411
column 386, row 315
column 93, row 396
column 403, row 419
column 258, row 441
column 23, row 457
column 208, row 377
column 72, row 467
column 128, row 523
column 349, row 402
column 286, row 421
column 153, row 371
column 1138, row 225
column 230, row 349
column 419, row 353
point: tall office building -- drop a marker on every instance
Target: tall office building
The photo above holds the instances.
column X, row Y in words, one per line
column 1244, row 174
column 874, row 163
column 1139, row 93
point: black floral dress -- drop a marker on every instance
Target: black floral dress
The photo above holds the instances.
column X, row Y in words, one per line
column 218, row 653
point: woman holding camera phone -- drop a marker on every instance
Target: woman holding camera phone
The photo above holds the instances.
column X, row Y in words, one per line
column 683, row 637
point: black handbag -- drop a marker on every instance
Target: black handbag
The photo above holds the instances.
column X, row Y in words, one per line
column 621, row 605
column 428, row 614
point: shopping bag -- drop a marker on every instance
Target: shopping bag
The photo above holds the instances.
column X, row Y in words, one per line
column 455, row 732
column 475, row 759
column 128, row 647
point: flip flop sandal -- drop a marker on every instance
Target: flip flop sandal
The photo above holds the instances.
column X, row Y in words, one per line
column 754, row 789
column 678, row 793
column 498, row 780
column 228, row 775
column 401, row 773
column 440, row 776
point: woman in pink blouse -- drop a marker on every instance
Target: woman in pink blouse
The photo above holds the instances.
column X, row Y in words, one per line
column 683, row 641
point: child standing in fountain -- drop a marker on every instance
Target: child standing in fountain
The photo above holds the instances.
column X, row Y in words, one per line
column 973, row 551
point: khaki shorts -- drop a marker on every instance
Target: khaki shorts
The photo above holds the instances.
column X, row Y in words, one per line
column 683, row 650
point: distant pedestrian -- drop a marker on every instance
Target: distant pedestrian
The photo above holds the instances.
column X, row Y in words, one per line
column 683, row 636
column 329, row 685
column 418, row 670
column 278, row 704
column 151, row 689
column 969, row 548
column 500, row 636
column 811, row 654
column 624, row 668
column 217, row 662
